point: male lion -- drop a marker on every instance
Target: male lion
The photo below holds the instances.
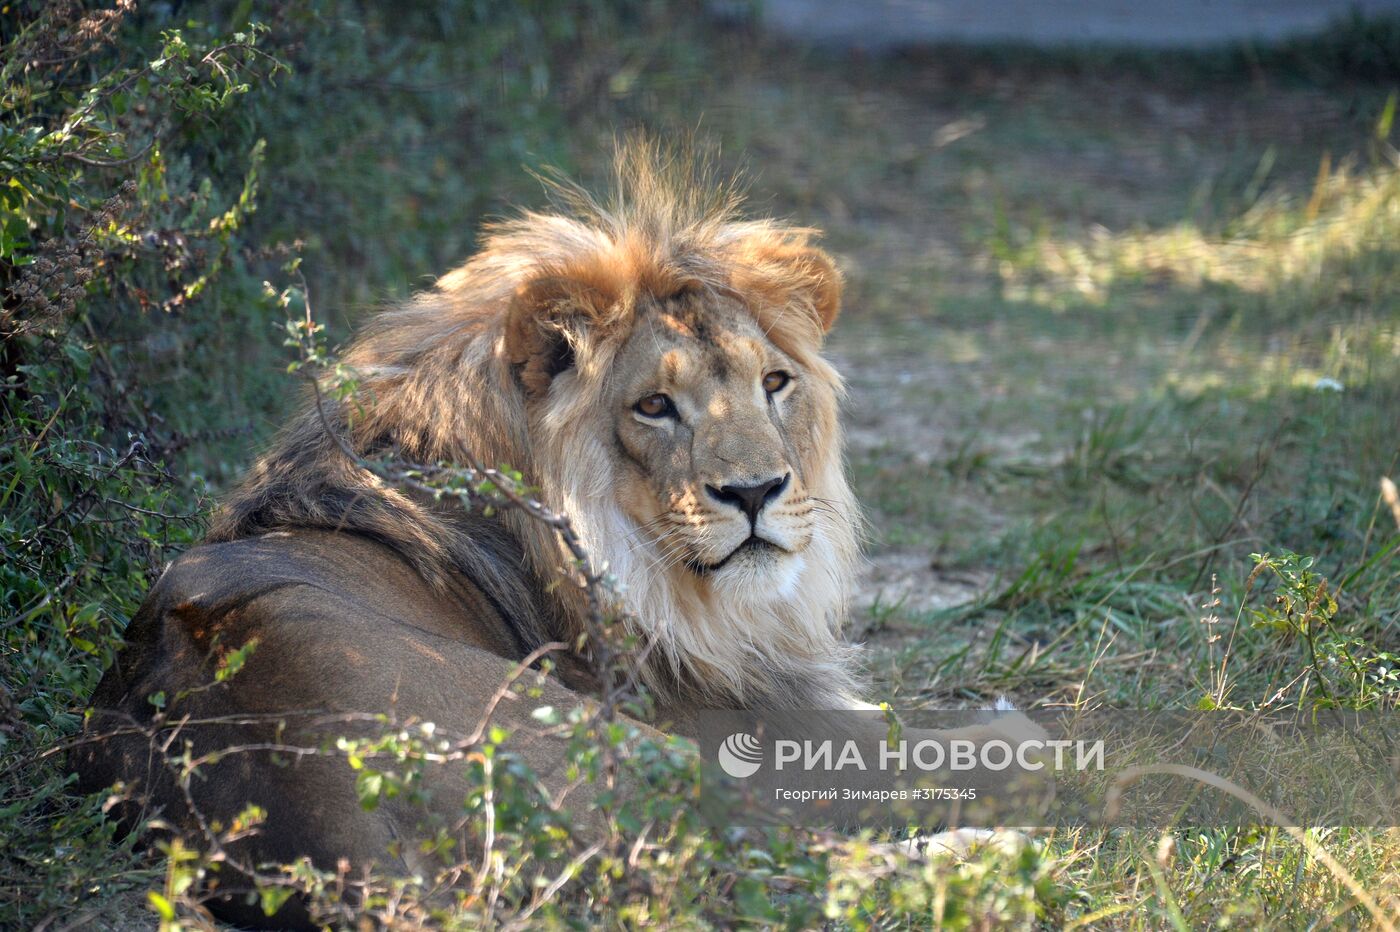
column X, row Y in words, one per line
column 653, row 365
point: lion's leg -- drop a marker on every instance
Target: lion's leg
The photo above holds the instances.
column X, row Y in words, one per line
column 323, row 665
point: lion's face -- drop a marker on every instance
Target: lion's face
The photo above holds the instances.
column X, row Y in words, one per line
column 715, row 431
column 677, row 407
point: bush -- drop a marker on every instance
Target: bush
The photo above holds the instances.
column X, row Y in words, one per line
column 107, row 226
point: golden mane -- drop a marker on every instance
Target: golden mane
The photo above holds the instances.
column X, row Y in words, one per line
column 468, row 367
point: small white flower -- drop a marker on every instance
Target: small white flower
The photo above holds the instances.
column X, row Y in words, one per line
column 1325, row 384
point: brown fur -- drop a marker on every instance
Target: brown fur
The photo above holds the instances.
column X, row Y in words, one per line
column 364, row 597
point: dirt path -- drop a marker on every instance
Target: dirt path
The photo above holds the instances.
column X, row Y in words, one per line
column 907, row 578
column 884, row 24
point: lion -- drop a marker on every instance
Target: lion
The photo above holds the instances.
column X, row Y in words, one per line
column 653, row 365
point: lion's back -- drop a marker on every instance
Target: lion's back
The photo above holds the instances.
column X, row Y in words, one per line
column 313, row 618
column 291, row 591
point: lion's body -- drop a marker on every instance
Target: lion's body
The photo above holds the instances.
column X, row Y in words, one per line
column 343, row 627
column 726, row 517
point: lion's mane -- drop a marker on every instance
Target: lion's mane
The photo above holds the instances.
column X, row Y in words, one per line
column 504, row 358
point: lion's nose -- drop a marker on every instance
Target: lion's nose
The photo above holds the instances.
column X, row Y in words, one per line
column 750, row 499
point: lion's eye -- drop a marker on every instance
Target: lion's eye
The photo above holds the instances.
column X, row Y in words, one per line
column 776, row 381
column 655, row 406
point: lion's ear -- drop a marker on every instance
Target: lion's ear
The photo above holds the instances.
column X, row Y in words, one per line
column 545, row 319
column 785, row 274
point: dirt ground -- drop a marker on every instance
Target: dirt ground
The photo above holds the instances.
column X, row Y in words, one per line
column 883, row 24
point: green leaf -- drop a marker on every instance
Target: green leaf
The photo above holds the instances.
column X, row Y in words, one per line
column 368, row 787
column 79, row 356
column 752, row 899
column 161, row 905
column 234, row 660
column 272, row 898
column 1387, row 119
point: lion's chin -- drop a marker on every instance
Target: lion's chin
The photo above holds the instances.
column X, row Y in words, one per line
column 759, row 574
